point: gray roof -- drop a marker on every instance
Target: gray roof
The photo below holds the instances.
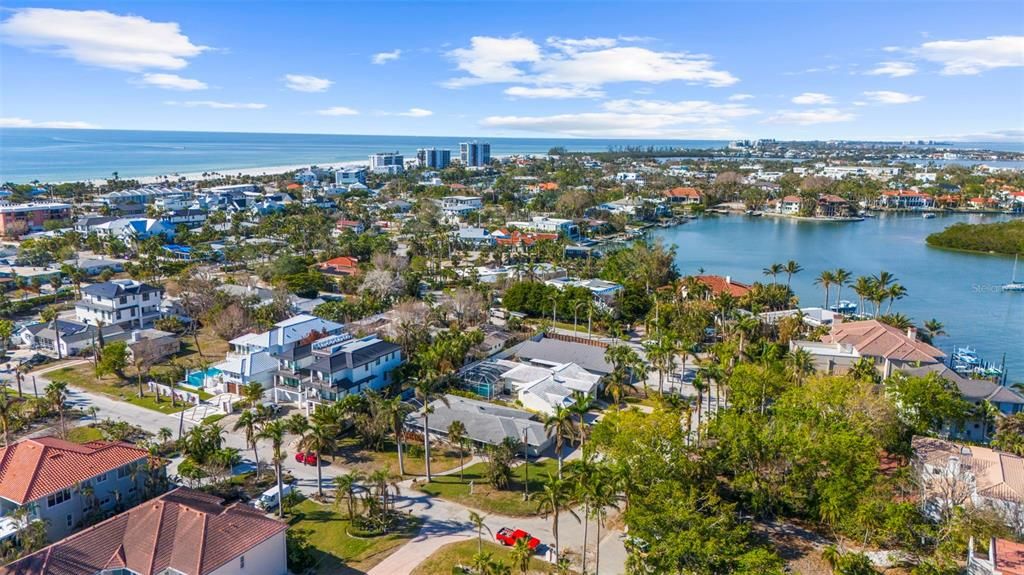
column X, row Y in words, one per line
column 589, row 357
column 970, row 389
column 112, row 289
column 349, row 359
column 485, row 422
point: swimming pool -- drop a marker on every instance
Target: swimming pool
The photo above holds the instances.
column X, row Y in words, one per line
column 197, row 378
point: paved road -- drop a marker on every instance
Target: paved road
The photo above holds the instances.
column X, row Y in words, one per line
column 444, row 521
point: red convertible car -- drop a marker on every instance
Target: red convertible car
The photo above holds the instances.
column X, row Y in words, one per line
column 508, row 537
column 307, row 458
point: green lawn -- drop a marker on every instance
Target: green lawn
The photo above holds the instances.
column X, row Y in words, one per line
column 83, row 376
column 351, row 455
column 486, row 498
column 214, row 418
column 337, row 552
column 84, row 434
column 444, row 560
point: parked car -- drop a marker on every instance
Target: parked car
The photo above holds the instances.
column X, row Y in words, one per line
column 269, row 500
column 508, row 537
column 307, row 458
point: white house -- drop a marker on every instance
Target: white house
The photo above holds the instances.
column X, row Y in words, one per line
column 460, row 205
column 119, row 302
column 559, row 226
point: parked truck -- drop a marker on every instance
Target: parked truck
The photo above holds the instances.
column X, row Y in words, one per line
column 270, row 499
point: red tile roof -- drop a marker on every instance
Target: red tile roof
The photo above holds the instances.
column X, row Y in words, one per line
column 682, row 193
column 719, row 284
column 34, row 468
column 876, row 339
column 1009, row 557
column 184, row 530
column 517, row 237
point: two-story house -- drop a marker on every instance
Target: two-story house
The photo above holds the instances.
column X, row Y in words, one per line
column 126, row 303
column 63, row 482
column 333, row 367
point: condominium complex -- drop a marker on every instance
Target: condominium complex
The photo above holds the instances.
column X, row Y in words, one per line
column 475, row 154
column 433, row 158
column 387, row 163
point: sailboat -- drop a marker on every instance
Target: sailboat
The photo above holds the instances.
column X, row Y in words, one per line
column 1014, row 285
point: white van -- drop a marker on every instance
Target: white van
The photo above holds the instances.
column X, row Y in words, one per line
column 269, row 500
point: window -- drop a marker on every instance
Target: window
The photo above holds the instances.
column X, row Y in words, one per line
column 101, row 478
column 70, row 520
column 123, row 471
column 241, row 562
column 123, row 299
column 57, row 498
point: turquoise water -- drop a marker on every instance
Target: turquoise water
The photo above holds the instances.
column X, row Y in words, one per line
column 51, row 155
column 962, row 290
column 196, row 379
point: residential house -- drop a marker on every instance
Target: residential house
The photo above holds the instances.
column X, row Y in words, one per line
column 183, row 532
column 788, row 205
column 349, row 176
column 476, row 237
column 832, row 206
column 548, row 351
column 92, row 266
column 151, row 346
column 955, row 475
column 905, row 200
column 459, row 206
column 353, row 226
column 714, row 285
column 504, row 237
column 75, row 337
column 486, row 424
column 48, row 475
column 340, row 266
column 328, row 369
column 1003, row 558
column 560, row 226
column 889, row 348
column 604, row 291
column 682, row 195
column 131, row 230
column 121, row 302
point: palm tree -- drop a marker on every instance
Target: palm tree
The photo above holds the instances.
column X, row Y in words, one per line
column 56, row 395
column 581, row 404
column 826, row 279
column 457, row 436
column 842, row 277
column 559, row 424
column 792, row 268
column 345, row 485
column 988, row 413
column 478, row 522
column 426, row 393
column 602, row 496
column 252, row 394
column 774, row 270
column 395, row 410
column 800, row 364
column 321, row 437
column 554, row 498
column 274, row 431
column 6, row 413
column 249, row 421
column 520, row 555
column 895, row 292
column 862, row 287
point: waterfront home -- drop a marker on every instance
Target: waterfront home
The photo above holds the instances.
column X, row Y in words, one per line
column 683, row 195
column 832, row 206
column 1003, row 558
column 983, row 203
column 121, row 302
column 328, row 369
column 889, row 348
column 604, row 291
column 788, row 205
column 18, row 219
column 905, row 199
column 47, row 475
column 975, row 392
column 713, row 285
column 558, row 226
column 955, row 475
column 183, row 532
column 486, row 424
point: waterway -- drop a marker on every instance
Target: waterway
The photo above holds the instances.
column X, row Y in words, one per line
column 962, row 290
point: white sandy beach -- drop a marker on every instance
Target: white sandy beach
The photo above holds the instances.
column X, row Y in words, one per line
column 262, row 171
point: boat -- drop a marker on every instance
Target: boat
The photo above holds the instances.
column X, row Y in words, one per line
column 1014, row 285
column 843, row 307
column 928, row 216
column 966, row 362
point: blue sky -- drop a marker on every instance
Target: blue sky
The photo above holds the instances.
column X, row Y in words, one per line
column 688, row 70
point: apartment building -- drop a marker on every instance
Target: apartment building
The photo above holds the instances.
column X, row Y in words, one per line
column 433, row 158
column 475, row 154
column 16, row 219
column 387, row 163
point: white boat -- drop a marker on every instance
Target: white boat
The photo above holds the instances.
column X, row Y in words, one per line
column 928, row 216
column 1014, row 285
column 844, row 307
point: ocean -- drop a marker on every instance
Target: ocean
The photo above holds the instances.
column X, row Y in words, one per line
column 53, row 155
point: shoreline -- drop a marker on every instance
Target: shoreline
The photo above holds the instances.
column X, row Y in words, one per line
column 175, row 177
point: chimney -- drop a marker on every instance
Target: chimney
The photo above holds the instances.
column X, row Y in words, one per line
column 992, row 551
column 135, row 336
column 728, row 280
column 912, row 333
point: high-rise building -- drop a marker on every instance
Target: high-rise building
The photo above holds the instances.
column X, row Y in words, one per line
column 475, row 153
column 433, row 158
column 387, row 163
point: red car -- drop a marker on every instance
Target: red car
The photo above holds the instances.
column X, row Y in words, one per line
column 508, row 537
column 307, row 458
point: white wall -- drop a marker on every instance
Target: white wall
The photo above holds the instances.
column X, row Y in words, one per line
column 267, row 558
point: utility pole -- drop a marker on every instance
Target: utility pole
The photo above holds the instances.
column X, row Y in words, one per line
column 526, row 467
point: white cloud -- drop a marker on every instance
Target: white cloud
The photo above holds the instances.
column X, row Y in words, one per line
column 887, row 97
column 812, row 99
column 740, row 97
column 101, row 38
column 582, row 63
column 635, row 118
column 338, row 111
column 893, row 69
column 23, row 123
column 416, row 113
column 969, row 57
column 385, row 57
column 301, row 83
column 172, row 82
column 810, row 117
column 217, row 105
column 553, row 92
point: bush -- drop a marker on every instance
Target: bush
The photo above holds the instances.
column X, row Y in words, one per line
column 300, row 551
